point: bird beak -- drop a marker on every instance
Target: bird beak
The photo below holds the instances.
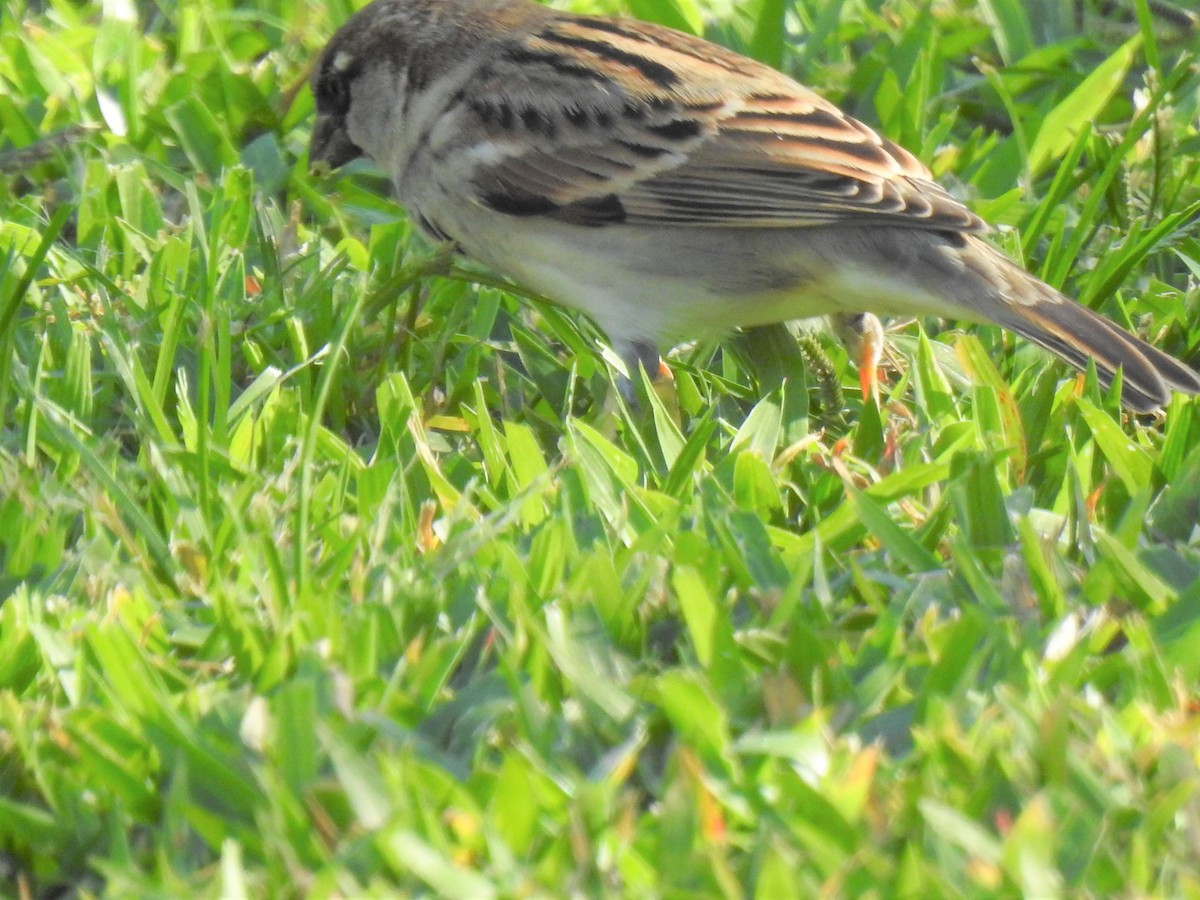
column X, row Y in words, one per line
column 331, row 146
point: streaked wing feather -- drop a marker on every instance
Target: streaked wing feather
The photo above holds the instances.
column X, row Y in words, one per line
column 736, row 144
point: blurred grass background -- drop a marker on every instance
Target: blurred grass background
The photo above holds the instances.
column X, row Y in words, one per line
column 329, row 568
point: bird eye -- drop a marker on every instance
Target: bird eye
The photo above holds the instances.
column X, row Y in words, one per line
column 333, row 94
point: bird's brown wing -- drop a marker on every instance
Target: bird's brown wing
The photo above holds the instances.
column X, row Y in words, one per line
column 597, row 121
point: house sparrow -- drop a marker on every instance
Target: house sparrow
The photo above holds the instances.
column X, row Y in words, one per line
column 670, row 188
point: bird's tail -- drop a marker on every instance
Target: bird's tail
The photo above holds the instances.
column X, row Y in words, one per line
column 1037, row 312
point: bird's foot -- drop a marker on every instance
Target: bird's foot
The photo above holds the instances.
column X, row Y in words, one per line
column 862, row 335
column 638, row 355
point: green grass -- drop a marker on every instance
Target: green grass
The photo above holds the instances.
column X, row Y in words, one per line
column 326, row 570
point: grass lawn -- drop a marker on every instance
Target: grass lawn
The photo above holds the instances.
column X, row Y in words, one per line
column 329, row 567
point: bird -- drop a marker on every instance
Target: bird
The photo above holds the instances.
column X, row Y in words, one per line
column 672, row 189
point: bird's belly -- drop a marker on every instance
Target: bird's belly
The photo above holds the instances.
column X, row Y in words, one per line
column 675, row 284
